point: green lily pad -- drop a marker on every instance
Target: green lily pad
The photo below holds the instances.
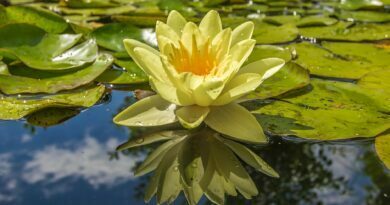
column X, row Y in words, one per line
column 142, row 21
column 364, row 16
column 282, row 19
column 53, row 52
column 87, row 3
column 322, row 62
column 315, row 20
column 13, row 108
column 47, row 20
column 3, row 68
column 361, row 4
column 328, row 111
column 96, row 11
column 111, row 36
column 344, row 31
column 17, row 35
column 382, row 147
column 129, row 73
column 51, row 116
column 375, row 55
column 290, row 77
column 377, row 82
column 268, row 51
column 269, row 34
column 17, row 84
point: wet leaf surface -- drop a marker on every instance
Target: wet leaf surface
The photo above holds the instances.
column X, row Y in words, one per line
column 11, row 84
column 382, row 147
column 328, row 111
column 13, row 108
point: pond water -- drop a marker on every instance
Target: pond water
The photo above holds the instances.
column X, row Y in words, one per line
column 323, row 112
column 74, row 163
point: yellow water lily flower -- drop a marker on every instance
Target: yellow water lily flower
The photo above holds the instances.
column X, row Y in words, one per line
column 198, row 77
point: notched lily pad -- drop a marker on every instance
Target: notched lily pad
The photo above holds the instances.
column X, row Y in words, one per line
column 322, row 62
column 329, row 111
column 16, row 84
column 13, row 107
column 344, row 31
column 290, row 77
column 52, row 51
column 48, row 21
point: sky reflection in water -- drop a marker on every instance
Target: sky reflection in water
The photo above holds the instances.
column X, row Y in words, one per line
column 73, row 163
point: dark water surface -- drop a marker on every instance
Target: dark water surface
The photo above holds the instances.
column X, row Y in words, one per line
column 75, row 163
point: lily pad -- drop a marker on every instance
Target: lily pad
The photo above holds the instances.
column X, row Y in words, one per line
column 315, row 20
column 290, row 77
column 269, row 51
column 377, row 82
column 17, row 35
column 47, row 20
column 3, row 68
column 269, row 34
column 13, row 108
column 361, row 4
column 328, row 110
column 87, row 3
column 51, row 116
column 364, row 16
column 52, row 52
column 344, row 31
column 111, row 36
column 17, row 84
column 282, row 19
column 322, row 62
column 127, row 73
column 375, row 55
column 142, row 21
column 97, row 11
column 382, row 147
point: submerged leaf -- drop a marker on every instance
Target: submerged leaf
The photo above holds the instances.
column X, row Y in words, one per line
column 51, row 116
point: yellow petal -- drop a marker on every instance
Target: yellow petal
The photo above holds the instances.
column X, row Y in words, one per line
column 236, row 122
column 163, row 29
column 192, row 116
column 208, row 91
column 190, row 31
column 221, row 44
column 150, row 64
column 242, row 32
column 150, row 111
column 176, row 21
column 171, row 93
column 238, row 87
column 264, row 67
column 241, row 51
column 131, row 44
column 211, row 24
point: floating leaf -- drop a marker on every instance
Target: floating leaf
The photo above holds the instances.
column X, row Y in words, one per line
column 53, row 52
column 17, row 35
column 87, row 3
column 322, row 62
column 360, row 4
column 111, row 36
column 13, row 108
column 3, row 68
column 290, row 77
column 330, row 111
column 17, row 84
column 51, row 116
column 378, row 83
column 316, row 21
column 268, row 51
column 268, row 34
column 142, row 21
column 282, row 19
column 344, row 31
column 48, row 21
column 382, row 147
column 96, row 11
column 364, row 16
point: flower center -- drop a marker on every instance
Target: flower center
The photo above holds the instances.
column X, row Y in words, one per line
column 199, row 61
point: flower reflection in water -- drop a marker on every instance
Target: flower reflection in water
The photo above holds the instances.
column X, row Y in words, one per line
column 197, row 162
